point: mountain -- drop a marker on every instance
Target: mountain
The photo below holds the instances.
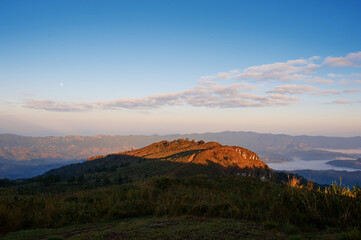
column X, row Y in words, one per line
column 346, row 163
column 177, row 158
column 18, row 152
column 331, row 176
column 18, row 169
column 20, row 148
column 22, row 157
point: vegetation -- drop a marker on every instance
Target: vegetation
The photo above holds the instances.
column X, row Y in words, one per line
column 288, row 208
column 161, row 185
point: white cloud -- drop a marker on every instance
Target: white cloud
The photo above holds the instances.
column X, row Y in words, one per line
column 345, row 81
column 293, row 89
column 50, row 105
column 222, row 75
column 351, row 60
column 292, row 70
column 207, row 94
column 320, row 80
column 309, row 89
column 352, row 90
column 211, row 94
column 341, row 102
column 328, row 92
column 333, row 75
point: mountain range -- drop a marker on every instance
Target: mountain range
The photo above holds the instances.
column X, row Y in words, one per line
column 22, row 156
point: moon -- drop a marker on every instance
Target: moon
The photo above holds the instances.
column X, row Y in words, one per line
column 61, row 84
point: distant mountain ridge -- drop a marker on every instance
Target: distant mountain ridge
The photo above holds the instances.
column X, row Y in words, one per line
column 331, row 176
column 45, row 151
column 356, row 164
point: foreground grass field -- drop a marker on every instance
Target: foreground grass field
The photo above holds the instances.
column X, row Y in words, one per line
column 186, row 227
column 230, row 206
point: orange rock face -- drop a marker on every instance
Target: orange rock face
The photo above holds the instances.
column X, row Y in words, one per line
column 230, row 157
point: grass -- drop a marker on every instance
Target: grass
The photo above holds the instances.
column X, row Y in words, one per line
column 186, row 227
column 285, row 209
column 44, row 233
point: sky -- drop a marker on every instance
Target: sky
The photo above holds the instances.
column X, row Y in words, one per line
column 71, row 67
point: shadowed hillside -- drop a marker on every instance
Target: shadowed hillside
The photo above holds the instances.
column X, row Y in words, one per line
column 178, row 158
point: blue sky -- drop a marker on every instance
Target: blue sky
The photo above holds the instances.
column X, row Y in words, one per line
column 158, row 67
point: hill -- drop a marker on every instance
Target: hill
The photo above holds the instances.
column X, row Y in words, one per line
column 331, row 176
column 356, row 164
column 178, row 158
column 200, row 153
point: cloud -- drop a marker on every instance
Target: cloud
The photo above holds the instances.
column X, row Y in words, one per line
column 293, row 89
column 207, row 94
column 320, row 80
column 292, row 70
column 352, row 90
column 309, row 89
column 333, row 75
column 50, row 105
column 298, row 77
column 327, row 92
column 222, row 75
column 341, row 102
column 351, row 60
column 345, row 81
column 351, row 79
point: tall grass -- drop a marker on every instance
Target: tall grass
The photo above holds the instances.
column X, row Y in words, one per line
column 229, row 197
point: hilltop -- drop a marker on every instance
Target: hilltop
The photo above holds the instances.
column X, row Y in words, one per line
column 200, row 153
column 178, row 158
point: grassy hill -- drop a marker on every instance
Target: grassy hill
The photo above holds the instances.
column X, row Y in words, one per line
column 179, row 158
column 289, row 210
column 176, row 190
